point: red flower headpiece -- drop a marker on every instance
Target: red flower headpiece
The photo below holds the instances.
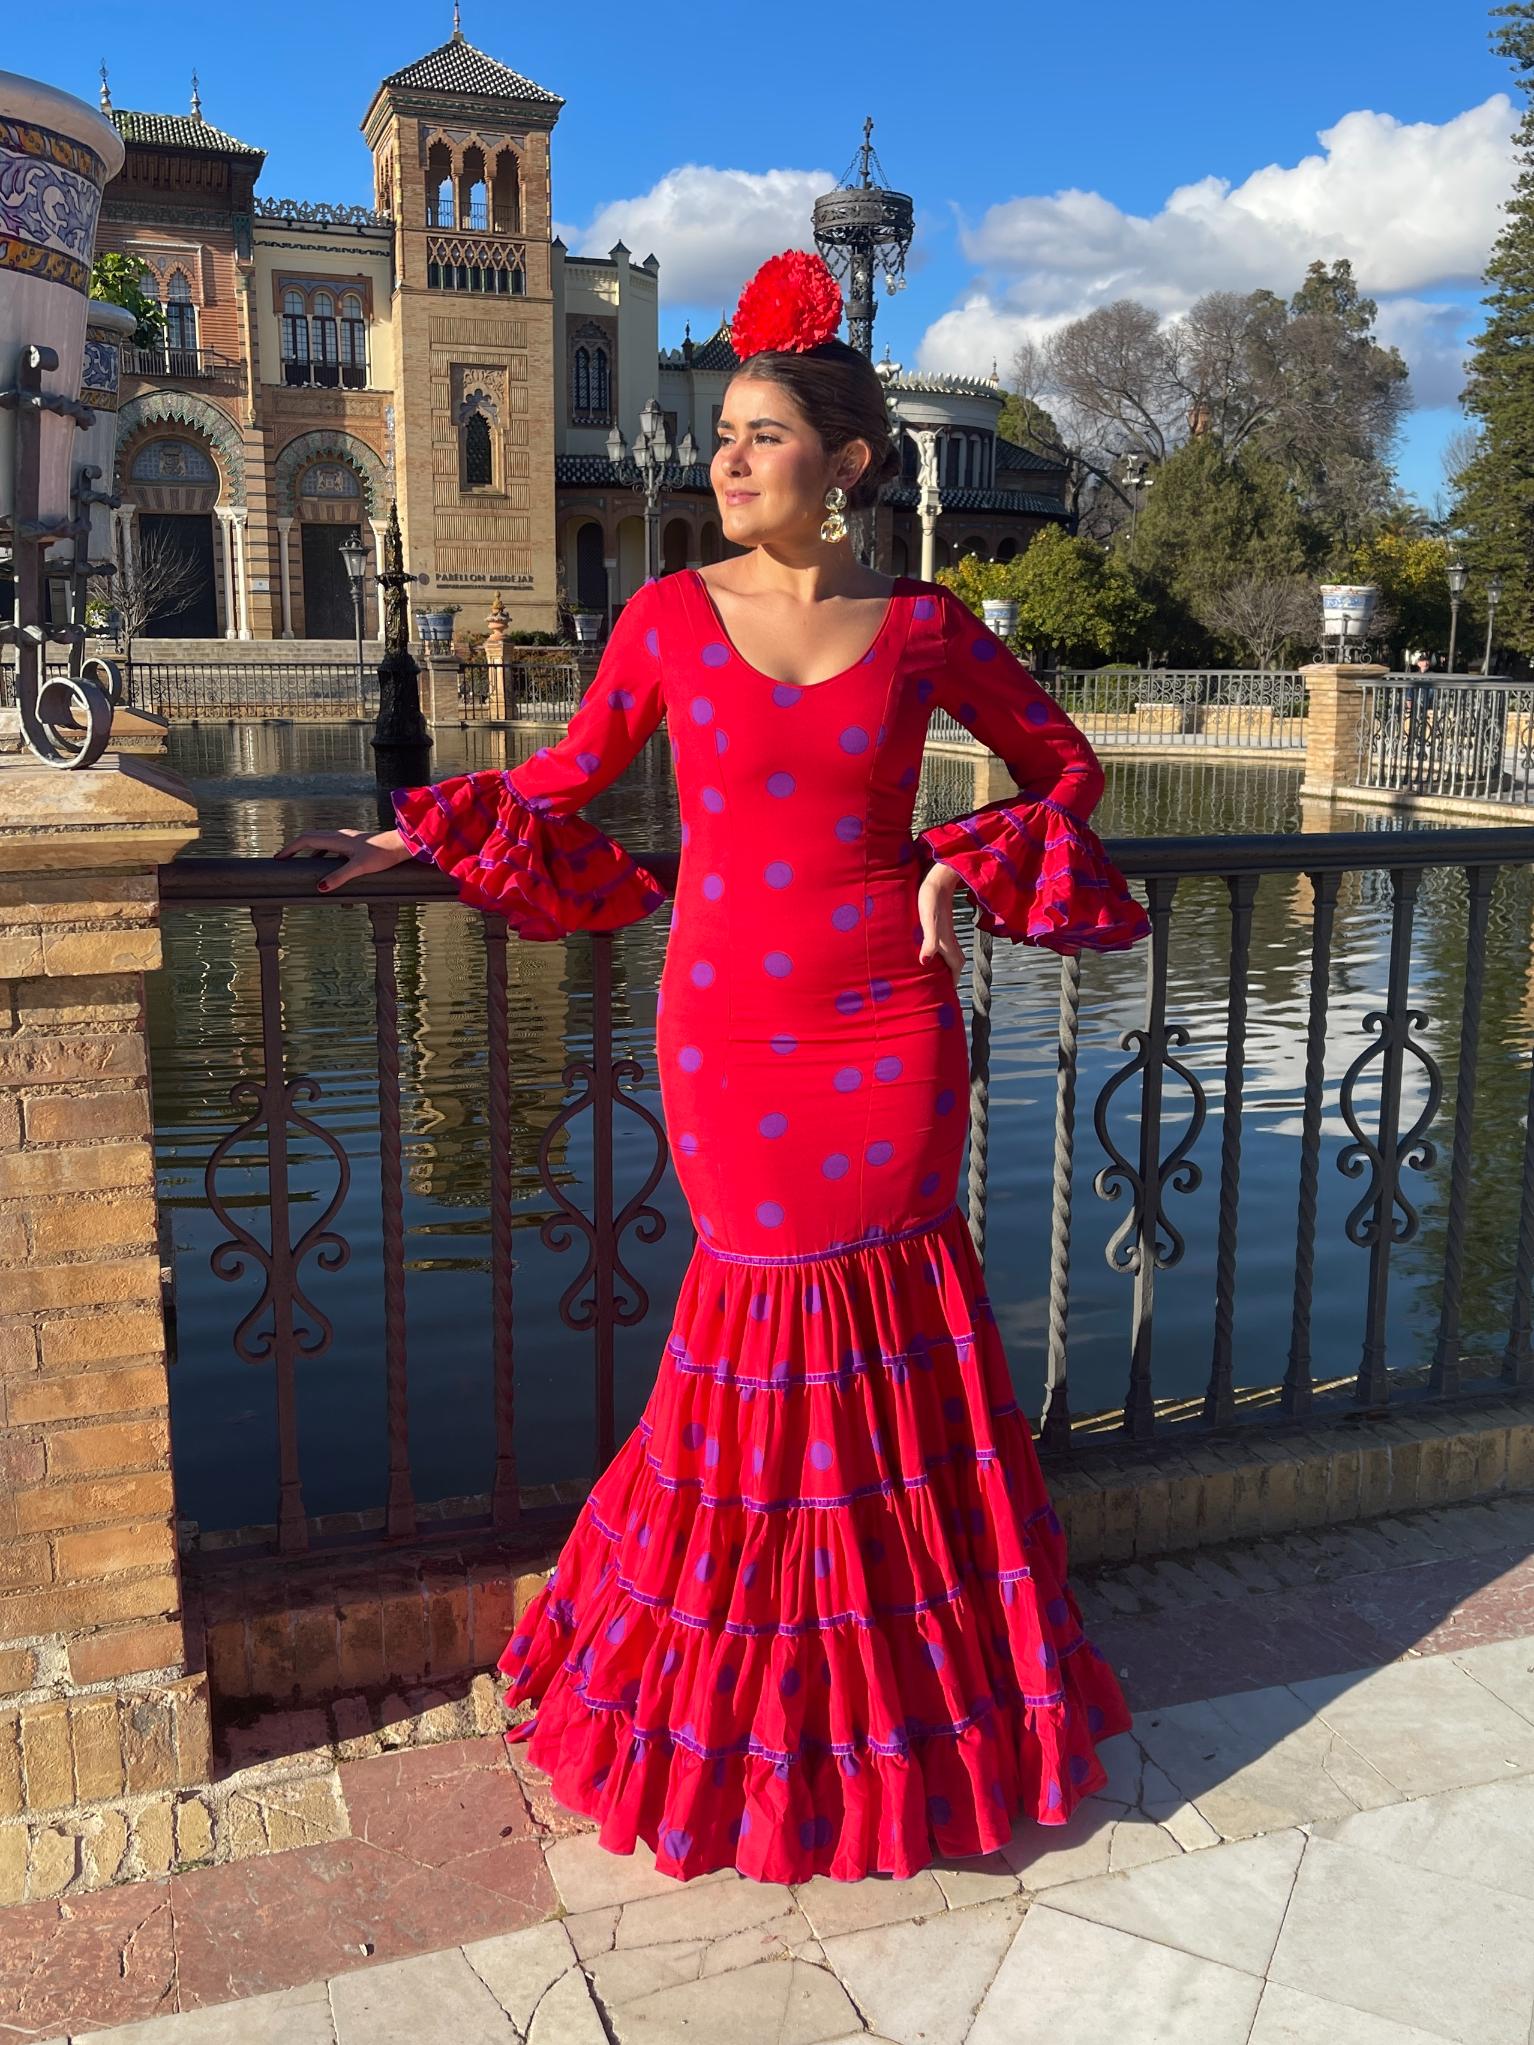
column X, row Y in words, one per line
column 793, row 302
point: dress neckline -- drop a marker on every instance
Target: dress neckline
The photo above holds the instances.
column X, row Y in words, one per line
column 864, row 659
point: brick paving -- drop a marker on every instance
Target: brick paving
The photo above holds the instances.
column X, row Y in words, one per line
column 1245, row 1742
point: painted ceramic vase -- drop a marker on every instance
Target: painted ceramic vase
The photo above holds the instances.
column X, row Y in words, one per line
column 57, row 156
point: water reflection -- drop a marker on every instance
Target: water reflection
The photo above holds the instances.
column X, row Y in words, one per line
column 259, row 785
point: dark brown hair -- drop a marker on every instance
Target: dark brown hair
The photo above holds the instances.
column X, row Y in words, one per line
column 840, row 394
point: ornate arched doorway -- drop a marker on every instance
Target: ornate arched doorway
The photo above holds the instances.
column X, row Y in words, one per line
column 170, row 580
column 329, row 499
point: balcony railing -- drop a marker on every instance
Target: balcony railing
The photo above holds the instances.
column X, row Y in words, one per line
column 183, row 365
column 328, row 376
column 1372, row 1109
column 1450, row 736
column 470, row 220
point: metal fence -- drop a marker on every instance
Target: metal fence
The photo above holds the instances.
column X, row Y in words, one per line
column 1147, row 1120
column 542, row 686
column 1448, row 736
column 1253, row 709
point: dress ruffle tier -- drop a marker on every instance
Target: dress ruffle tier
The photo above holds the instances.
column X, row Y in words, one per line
column 814, row 1617
column 1039, row 875
column 546, row 874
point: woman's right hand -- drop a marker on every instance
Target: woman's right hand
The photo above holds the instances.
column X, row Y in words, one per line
column 361, row 851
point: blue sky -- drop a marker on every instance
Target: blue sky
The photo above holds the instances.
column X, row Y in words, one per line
column 1080, row 155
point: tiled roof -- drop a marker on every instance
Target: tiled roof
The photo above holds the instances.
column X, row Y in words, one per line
column 179, row 131
column 716, row 352
column 1010, row 456
column 595, row 470
column 457, row 66
column 904, row 498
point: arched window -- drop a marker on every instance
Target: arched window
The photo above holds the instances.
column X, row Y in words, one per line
column 295, row 338
column 324, row 347
column 506, row 195
column 439, row 186
column 478, row 465
column 601, row 390
column 354, row 343
column 580, row 396
column 180, row 315
column 951, row 462
column 474, row 211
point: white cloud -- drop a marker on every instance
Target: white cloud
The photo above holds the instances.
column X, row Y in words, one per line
column 709, row 228
column 1412, row 205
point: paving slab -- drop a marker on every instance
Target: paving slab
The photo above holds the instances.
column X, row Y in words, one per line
column 520, row 1968
column 1454, row 1957
column 835, row 1907
column 566, row 2016
column 1097, row 1839
column 1425, row 1725
column 1068, row 1981
column 437, row 1995
column 1287, row 2016
column 714, row 1911
column 781, row 2003
column 1483, row 1834
column 588, row 1877
column 1506, row 1669
column 294, row 2016
column 922, row 1982
column 1225, row 1905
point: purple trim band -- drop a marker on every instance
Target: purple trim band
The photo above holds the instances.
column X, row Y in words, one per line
column 894, row 1361
column 875, row 1241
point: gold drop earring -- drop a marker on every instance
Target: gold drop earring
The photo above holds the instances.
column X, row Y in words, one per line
column 834, row 526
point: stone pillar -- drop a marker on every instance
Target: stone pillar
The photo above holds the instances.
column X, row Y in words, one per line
column 284, row 531
column 1334, row 704
column 499, row 708
column 101, row 1699
column 610, row 566
column 378, row 568
column 231, row 618
column 242, row 580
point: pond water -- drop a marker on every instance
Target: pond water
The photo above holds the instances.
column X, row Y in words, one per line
column 259, row 785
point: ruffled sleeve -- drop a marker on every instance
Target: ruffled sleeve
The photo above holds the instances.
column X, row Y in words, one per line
column 1037, row 870
column 512, row 840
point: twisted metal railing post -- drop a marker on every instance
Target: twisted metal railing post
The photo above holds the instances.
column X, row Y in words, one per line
column 383, row 920
column 1444, row 1375
column 1219, row 1399
column 1298, row 1391
column 1518, row 1356
column 1055, row 1422
column 982, row 975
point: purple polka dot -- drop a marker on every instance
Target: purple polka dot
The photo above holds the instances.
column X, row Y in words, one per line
column 620, row 699
column 705, row 1224
column 939, row 1810
column 692, row 1435
column 689, row 1057
column 930, row 1183
column 1047, row 1655
column 1057, row 1612
column 873, row 1547
column 652, row 641
column 848, row 1080
column 676, row 1845
column 849, row 829
column 520, row 1643
column 1078, row 1767
column 815, row 1834
column 836, row 1166
column 887, row 1068
column 812, row 1298
column 588, row 762
column 704, row 1567
column 783, row 1044
column 844, row 916
column 1054, row 1796
column 777, row 873
column 715, row 654
column 879, row 1153
column 1037, row 712
column 712, row 799
column 998, row 1794
column 923, row 607
column 724, row 1682
column 780, row 784
column 849, row 1001
column 934, row 1653
column 786, row 694
column 701, row 709
column 945, row 1100
column 671, row 1661
column 748, row 1575
column 779, row 964
column 702, row 974
column 770, row 1214
column 773, row 1125
column 687, row 1143
column 853, row 740
column 822, row 1562
column 643, row 1537
column 711, row 1451
column 1094, row 1718
column 617, row 1629
column 758, row 1458
column 760, row 1303
column 788, row 1682
column 822, row 1455
column 713, row 886
column 984, row 649
column 881, row 990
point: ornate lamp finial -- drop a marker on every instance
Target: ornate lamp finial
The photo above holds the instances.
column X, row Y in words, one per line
column 196, row 99
column 106, row 90
column 457, row 23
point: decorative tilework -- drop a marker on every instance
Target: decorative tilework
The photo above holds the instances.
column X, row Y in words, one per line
column 50, row 194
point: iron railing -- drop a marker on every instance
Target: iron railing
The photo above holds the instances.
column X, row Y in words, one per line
column 1448, row 736
column 1148, row 1120
column 310, row 692
column 185, row 365
column 1252, row 709
column 542, row 687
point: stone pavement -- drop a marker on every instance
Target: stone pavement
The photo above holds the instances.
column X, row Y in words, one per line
column 1343, row 1855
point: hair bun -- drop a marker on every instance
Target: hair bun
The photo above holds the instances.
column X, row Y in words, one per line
column 792, row 303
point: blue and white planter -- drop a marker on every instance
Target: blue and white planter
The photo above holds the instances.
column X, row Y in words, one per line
column 57, row 156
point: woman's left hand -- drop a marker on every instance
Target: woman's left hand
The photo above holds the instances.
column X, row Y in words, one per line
column 934, row 905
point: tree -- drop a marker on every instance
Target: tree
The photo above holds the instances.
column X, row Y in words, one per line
column 1264, row 615
column 154, row 581
column 1412, row 571
column 119, row 279
column 1075, row 600
column 1495, row 494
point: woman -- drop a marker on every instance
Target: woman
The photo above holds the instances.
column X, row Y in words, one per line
column 814, row 1616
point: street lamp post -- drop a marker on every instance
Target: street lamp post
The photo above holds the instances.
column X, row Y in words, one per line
column 650, row 467
column 1493, row 598
column 1459, row 575
column 354, row 559
column 1139, row 478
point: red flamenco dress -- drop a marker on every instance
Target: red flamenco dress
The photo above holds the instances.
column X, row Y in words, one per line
column 814, row 1617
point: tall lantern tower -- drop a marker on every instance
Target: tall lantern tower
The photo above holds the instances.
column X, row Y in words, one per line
column 862, row 227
